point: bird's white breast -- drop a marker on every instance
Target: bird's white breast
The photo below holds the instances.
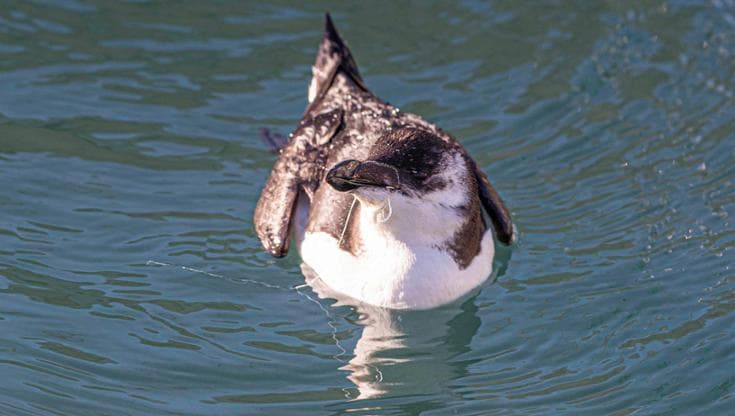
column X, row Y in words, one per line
column 393, row 274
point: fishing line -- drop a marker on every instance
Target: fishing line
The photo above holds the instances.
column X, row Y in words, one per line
column 382, row 217
column 347, row 221
column 219, row 276
column 331, row 321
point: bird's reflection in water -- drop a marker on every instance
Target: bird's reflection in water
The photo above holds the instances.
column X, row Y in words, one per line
column 405, row 352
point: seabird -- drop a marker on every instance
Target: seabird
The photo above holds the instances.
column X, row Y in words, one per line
column 385, row 207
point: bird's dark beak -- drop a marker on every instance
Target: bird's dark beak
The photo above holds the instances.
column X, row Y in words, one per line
column 352, row 174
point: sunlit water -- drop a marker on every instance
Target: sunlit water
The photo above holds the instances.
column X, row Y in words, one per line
column 131, row 282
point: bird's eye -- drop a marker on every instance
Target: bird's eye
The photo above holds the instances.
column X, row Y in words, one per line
column 418, row 174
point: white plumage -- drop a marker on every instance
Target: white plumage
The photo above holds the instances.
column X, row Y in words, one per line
column 401, row 263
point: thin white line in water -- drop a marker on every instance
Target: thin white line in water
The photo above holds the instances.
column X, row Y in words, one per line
column 330, row 319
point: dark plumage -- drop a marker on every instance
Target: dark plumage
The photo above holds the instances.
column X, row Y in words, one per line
column 347, row 139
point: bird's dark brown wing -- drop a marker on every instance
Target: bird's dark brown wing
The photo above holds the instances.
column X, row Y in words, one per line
column 494, row 206
column 300, row 166
column 332, row 57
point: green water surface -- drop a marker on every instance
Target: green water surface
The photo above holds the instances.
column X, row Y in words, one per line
column 131, row 282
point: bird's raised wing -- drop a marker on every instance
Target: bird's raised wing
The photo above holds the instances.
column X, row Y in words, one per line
column 300, row 167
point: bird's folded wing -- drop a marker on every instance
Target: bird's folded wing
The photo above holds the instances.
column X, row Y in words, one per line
column 494, row 206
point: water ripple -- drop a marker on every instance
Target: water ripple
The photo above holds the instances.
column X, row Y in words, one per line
column 131, row 281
